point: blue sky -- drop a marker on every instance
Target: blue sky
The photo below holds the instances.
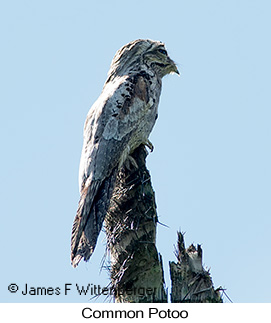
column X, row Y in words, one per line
column 211, row 164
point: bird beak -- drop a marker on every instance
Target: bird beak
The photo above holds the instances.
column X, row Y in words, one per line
column 176, row 70
column 173, row 67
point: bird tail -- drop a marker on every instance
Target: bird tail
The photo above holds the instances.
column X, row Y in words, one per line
column 86, row 225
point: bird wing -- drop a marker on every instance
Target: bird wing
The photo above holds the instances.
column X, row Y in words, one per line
column 112, row 129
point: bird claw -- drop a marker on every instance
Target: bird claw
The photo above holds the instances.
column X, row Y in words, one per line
column 149, row 145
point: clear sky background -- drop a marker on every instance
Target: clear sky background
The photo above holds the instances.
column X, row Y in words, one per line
column 211, row 164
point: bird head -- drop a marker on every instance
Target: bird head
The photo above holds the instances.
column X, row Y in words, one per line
column 157, row 58
column 139, row 53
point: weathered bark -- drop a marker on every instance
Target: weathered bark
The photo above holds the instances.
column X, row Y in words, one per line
column 136, row 266
column 191, row 283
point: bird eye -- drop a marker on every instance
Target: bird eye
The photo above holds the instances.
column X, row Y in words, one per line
column 162, row 51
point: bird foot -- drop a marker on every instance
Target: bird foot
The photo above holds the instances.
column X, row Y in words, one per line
column 149, row 145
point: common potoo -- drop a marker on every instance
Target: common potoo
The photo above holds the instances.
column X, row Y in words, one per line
column 118, row 122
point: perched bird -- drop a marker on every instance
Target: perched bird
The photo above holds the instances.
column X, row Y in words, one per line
column 118, row 122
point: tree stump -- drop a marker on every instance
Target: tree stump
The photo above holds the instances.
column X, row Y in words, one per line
column 136, row 267
column 191, row 283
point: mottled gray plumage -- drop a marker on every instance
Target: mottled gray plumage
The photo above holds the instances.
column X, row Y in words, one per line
column 117, row 123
